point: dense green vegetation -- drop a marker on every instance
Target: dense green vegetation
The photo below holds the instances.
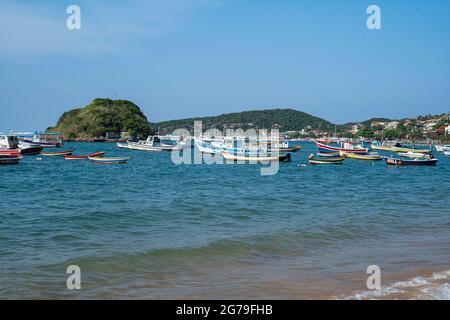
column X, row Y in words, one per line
column 283, row 119
column 102, row 116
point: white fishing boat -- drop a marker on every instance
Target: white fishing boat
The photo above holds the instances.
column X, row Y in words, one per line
column 243, row 144
column 439, row 148
column 154, row 144
column 447, row 153
column 43, row 139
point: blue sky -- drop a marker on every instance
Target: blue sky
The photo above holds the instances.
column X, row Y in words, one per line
column 183, row 58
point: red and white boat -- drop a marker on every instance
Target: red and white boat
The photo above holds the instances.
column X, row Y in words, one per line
column 9, row 146
column 347, row 147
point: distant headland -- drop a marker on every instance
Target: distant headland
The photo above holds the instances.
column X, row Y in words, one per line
column 103, row 117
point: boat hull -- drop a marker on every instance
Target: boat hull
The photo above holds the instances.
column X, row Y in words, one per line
column 290, row 149
column 58, row 153
column 10, row 152
column 111, row 160
column 381, row 148
column 325, row 160
column 237, row 157
column 406, row 150
column 7, row 160
column 416, row 162
column 366, row 157
column 93, row 155
column 31, row 151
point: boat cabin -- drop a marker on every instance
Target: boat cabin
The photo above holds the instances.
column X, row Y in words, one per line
column 9, row 141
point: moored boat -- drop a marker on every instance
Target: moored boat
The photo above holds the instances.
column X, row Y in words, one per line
column 373, row 156
column 405, row 150
column 439, row 148
column 43, row 139
column 9, row 146
column 381, row 148
column 447, row 153
column 93, row 155
column 255, row 157
column 315, row 159
column 413, row 155
column 109, row 160
column 323, row 148
column 330, row 154
column 411, row 162
column 155, row 144
column 57, row 153
column 290, row 149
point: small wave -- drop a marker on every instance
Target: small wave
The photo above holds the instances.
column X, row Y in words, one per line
column 434, row 287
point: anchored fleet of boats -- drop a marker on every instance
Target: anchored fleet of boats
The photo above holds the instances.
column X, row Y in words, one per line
column 14, row 146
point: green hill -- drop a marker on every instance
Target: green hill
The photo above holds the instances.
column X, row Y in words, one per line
column 101, row 116
column 284, row 119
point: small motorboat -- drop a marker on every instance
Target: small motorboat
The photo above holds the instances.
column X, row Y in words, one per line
column 414, row 155
column 329, row 155
column 405, row 150
column 347, row 147
column 109, row 160
column 315, row 159
column 255, row 157
column 412, row 162
column 447, row 153
column 57, row 153
column 381, row 147
column 290, row 149
column 439, row 148
column 93, row 155
column 373, row 156
column 5, row 159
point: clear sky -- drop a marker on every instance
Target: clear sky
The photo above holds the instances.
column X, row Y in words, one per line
column 183, row 58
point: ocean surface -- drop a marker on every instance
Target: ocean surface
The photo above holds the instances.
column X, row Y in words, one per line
column 151, row 229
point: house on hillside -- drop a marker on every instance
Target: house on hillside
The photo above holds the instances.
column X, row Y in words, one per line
column 355, row 128
column 391, row 125
column 378, row 124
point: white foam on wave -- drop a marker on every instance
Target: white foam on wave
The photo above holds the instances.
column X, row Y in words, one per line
column 441, row 292
column 417, row 288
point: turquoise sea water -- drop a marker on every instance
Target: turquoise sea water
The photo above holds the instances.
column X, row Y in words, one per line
column 153, row 229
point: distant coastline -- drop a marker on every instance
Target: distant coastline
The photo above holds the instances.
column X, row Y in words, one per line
column 119, row 120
